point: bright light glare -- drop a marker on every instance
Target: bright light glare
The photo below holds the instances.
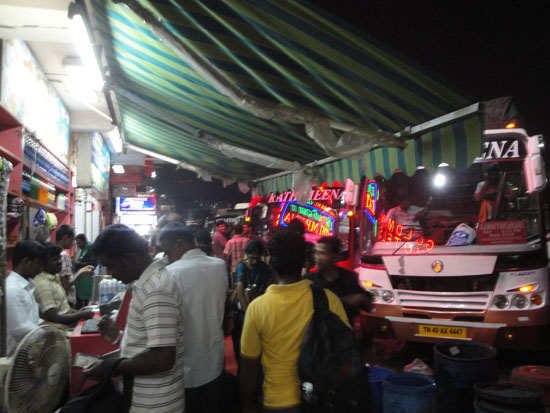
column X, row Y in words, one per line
column 527, row 288
column 80, row 87
column 116, row 141
column 153, row 174
column 511, row 125
column 80, row 38
column 118, row 169
column 439, row 180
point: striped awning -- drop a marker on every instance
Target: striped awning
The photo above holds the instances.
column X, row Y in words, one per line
column 279, row 52
column 457, row 144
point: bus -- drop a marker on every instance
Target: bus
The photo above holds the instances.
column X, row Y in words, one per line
column 460, row 255
column 327, row 211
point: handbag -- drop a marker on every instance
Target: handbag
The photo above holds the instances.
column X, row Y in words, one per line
column 102, row 397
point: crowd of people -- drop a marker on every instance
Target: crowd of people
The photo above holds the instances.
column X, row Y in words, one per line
column 184, row 286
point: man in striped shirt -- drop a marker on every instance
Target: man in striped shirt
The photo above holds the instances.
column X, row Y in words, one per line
column 152, row 343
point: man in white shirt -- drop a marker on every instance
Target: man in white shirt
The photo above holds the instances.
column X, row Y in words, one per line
column 152, row 343
column 404, row 213
column 21, row 307
column 202, row 282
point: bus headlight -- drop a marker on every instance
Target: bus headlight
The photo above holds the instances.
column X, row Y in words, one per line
column 375, row 295
column 387, row 296
column 500, row 301
column 519, row 301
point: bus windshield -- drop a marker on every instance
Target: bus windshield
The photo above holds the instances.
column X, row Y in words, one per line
column 430, row 205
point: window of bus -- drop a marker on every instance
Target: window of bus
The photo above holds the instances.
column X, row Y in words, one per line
column 431, row 205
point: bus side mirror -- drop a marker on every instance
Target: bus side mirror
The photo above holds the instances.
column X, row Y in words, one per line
column 533, row 166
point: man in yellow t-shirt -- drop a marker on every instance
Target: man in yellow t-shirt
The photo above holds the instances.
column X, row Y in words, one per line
column 274, row 328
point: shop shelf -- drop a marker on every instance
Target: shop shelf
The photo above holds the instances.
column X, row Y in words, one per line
column 59, row 188
column 10, row 156
column 46, row 207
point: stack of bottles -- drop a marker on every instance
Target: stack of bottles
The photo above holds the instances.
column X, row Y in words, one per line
column 35, row 156
column 109, row 288
column 35, row 188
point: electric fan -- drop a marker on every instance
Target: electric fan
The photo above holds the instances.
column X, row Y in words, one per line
column 35, row 377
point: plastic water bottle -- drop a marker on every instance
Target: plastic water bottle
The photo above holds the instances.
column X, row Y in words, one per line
column 103, row 292
column 112, row 289
column 307, row 392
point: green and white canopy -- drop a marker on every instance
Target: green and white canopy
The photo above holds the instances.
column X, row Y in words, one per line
column 249, row 88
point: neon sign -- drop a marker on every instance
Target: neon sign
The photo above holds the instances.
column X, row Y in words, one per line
column 415, row 243
column 371, row 198
column 321, row 194
column 324, row 208
column 316, row 221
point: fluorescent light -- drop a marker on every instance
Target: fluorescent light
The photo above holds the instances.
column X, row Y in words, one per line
column 116, row 141
column 79, row 80
column 118, row 169
column 80, row 38
column 154, row 154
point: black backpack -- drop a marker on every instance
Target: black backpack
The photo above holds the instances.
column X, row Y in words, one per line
column 333, row 377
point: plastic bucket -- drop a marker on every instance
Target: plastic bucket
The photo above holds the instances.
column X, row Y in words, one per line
column 409, row 393
column 376, row 376
column 458, row 366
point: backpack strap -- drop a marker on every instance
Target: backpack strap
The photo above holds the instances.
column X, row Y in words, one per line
column 320, row 301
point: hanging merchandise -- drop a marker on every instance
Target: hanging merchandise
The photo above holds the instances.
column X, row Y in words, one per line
column 15, row 208
column 5, row 170
column 39, row 219
column 51, row 220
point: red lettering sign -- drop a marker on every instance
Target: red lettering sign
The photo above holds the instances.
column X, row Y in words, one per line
column 414, row 243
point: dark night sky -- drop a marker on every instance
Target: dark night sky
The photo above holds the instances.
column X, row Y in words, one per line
column 486, row 48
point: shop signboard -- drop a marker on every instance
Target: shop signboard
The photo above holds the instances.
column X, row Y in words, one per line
column 501, row 232
column 27, row 94
column 136, row 204
column 101, row 161
column 93, row 163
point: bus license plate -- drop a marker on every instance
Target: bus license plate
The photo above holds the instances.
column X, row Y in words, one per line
column 429, row 330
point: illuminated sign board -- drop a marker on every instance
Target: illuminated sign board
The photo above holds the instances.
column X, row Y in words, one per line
column 415, row 243
column 316, row 221
column 28, row 95
column 371, row 198
column 101, row 160
column 326, row 194
column 136, row 204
